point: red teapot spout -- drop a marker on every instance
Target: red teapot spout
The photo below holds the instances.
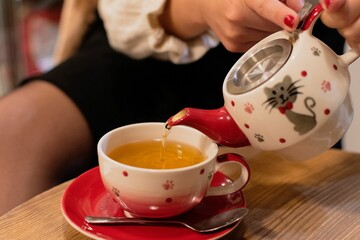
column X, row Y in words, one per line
column 217, row 124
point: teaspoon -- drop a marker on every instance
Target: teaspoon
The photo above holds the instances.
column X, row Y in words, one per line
column 204, row 224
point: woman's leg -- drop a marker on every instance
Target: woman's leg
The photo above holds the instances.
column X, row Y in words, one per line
column 42, row 133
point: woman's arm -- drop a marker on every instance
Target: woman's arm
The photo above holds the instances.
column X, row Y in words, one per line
column 239, row 24
column 184, row 30
column 76, row 15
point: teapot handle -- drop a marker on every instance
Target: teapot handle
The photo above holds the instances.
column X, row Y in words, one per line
column 311, row 19
column 348, row 57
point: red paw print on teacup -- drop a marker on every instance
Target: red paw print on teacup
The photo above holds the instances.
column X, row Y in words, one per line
column 249, row 108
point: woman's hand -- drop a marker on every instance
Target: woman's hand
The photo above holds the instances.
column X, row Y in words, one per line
column 239, row 24
column 343, row 15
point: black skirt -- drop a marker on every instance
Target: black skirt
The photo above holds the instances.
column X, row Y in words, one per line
column 113, row 90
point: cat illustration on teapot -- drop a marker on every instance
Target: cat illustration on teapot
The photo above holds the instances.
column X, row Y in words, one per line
column 283, row 96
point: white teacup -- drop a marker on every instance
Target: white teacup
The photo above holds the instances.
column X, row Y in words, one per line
column 159, row 193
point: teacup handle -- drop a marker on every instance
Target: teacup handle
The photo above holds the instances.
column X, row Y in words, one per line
column 234, row 167
column 348, row 57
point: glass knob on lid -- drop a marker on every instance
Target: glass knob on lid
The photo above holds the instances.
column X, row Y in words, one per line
column 258, row 65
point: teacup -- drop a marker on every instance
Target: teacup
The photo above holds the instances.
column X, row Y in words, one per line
column 160, row 193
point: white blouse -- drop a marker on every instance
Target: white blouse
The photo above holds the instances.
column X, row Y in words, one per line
column 133, row 28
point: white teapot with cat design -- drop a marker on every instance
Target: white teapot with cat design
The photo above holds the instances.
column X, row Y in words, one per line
column 288, row 94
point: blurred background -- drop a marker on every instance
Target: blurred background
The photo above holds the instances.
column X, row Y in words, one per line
column 28, row 30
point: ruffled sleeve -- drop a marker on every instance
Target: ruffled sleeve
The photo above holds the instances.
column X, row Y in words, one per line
column 133, row 29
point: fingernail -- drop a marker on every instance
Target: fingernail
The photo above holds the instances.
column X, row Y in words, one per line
column 289, row 21
column 302, row 2
column 327, row 3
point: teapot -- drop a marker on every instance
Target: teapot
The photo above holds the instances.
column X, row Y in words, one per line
column 288, row 94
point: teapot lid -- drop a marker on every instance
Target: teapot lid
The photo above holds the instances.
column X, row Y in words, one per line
column 258, row 65
column 262, row 61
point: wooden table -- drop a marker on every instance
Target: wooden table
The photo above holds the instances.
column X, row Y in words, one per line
column 315, row 199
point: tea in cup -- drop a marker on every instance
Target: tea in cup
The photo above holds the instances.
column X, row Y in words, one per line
column 149, row 179
column 157, row 154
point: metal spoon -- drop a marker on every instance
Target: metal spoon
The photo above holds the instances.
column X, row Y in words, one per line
column 199, row 224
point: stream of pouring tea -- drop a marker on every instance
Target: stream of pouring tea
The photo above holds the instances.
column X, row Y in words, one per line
column 164, row 136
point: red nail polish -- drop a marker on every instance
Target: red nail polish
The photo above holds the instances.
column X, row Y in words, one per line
column 289, row 21
column 327, row 3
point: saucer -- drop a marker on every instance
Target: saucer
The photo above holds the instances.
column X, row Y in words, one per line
column 86, row 195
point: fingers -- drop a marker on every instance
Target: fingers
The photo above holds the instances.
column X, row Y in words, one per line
column 352, row 35
column 332, row 5
column 244, row 39
column 282, row 13
column 296, row 5
column 239, row 24
column 340, row 13
column 344, row 15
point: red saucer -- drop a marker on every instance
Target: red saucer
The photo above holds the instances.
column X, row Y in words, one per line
column 86, row 195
